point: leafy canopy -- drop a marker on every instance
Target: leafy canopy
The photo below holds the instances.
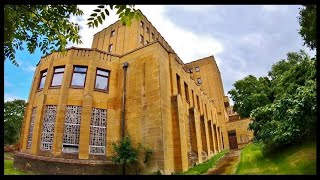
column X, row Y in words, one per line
column 308, row 25
column 48, row 27
column 250, row 93
column 291, row 117
column 13, row 117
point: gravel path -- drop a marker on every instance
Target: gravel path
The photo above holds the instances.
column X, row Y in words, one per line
column 226, row 165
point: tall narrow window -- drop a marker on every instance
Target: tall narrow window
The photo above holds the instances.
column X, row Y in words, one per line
column 178, row 84
column 192, row 98
column 112, row 33
column 141, row 24
column 205, row 106
column 79, row 76
column 72, row 129
column 102, row 80
column 197, row 69
column 48, row 127
column 148, row 31
column 147, row 42
column 33, row 115
column 152, row 35
column 198, row 102
column 186, row 90
column 110, row 47
column 42, row 79
column 199, row 81
column 98, row 131
column 141, row 39
column 57, row 76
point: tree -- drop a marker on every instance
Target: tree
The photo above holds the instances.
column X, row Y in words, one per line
column 292, row 116
column 250, row 93
column 308, row 25
column 13, row 117
column 48, row 27
column 125, row 153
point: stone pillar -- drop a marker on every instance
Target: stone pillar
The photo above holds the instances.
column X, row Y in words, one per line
column 183, row 137
column 37, row 129
column 61, row 111
column 85, row 127
column 198, row 133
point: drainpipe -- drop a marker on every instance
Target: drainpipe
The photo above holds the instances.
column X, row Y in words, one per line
column 125, row 66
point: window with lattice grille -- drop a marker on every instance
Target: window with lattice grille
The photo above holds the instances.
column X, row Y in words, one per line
column 98, row 131
column 33, row 115
column 48, row 127
column 71, row 129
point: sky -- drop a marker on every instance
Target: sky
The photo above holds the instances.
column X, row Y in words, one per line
column 244, row 39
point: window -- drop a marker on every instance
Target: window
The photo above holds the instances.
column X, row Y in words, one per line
column 205, row 106
column 33, row 115
column 152, row 35
column 57, row 76
column 79, row 76
column 98, row 131
column 148, row 31
column 192, row 97
column 112, row 33
column 102, row 79
column 178, row 84
column 199, row 80
column 186, row 89
column 198, row 103
column 197, row 69
column 141, row 24
column 48, row 127
column 141, row 39
column 191, row 70
column 147, row 42
column 71, row 129
column 157, row 39
column 110, row 47
column 42, row 79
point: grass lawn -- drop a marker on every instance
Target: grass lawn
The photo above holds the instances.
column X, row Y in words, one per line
column 8, row 166
column 205, row 166
column 298, row 159
column 9, row 170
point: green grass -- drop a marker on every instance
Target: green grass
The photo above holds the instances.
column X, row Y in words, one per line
column 8, row 155
column 205, row 166
column 298, row 159
column 9, row 170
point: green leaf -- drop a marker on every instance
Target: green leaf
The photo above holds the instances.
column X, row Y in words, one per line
column 93, row 14
column 103, row 16
column 106, row 11
column 97, row 10
column 96, row 23
column 101, row 6
column 90, row 19
column 99, row 19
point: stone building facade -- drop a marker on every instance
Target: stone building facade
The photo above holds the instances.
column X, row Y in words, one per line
column 238, row 133
column 76, row 102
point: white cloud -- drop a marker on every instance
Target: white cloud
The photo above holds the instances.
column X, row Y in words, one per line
column 273, row 8
column 188, row 45
column 8, row 97
column 87, row 33
column 254, row 39
column 195, row 8
column 28, row 68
